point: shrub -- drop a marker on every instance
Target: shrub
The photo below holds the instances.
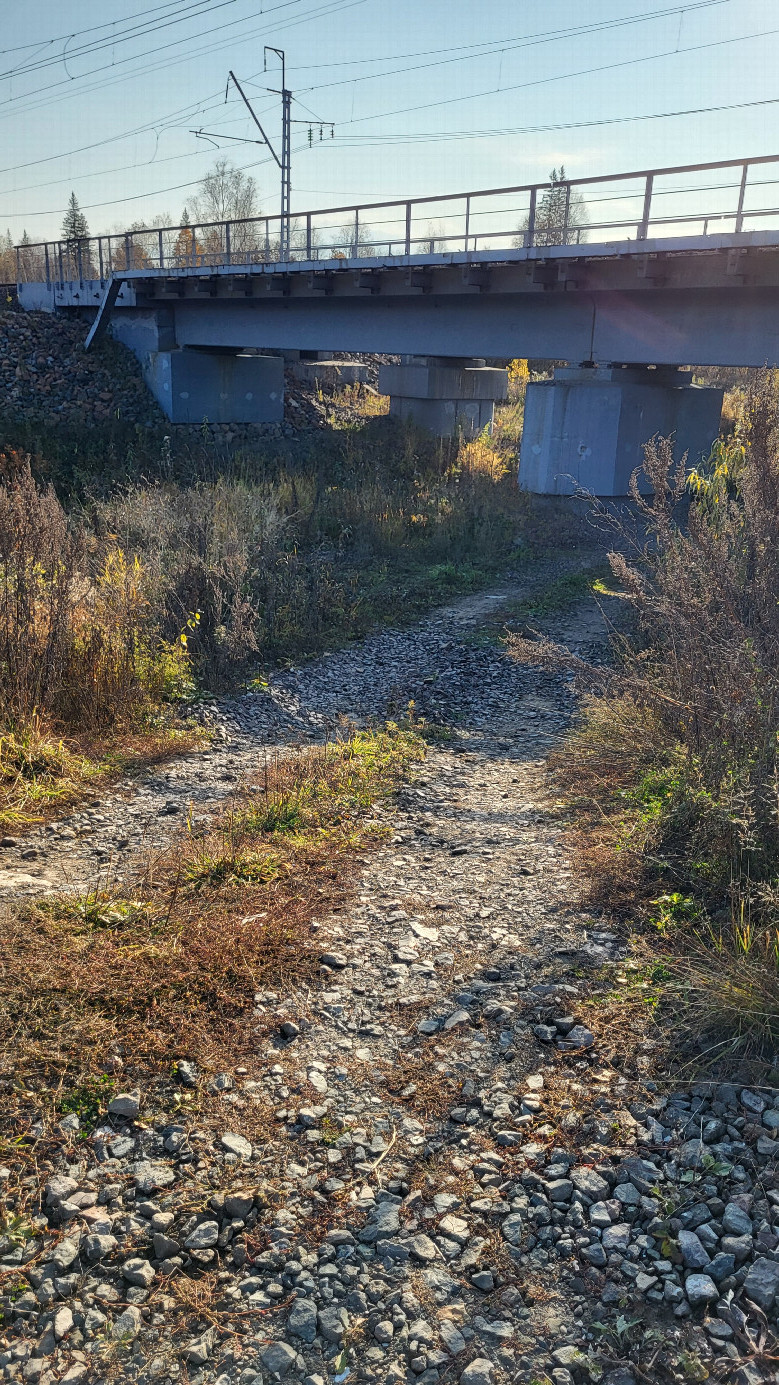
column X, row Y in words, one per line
column 78, row 640
column 675, row 766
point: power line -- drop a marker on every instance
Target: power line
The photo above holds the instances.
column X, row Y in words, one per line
column 561, row 77
column 210, row 49
column 198, row 8
column 137, row 57
column 90, row 29
column 370, row 141
column 499, row 46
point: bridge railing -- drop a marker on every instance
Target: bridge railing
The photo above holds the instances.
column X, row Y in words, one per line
column 689, row 199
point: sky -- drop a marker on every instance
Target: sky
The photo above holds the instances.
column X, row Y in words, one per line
column 102, row 97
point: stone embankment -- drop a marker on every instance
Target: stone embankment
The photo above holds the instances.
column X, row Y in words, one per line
column 444, row 1167
column 47, row 377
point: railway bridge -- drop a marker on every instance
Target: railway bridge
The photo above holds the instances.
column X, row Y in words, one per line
column 626, row 278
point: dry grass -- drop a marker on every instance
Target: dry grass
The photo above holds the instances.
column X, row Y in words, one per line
column 78, row 639
column 42, row 775
column 362, row 399
column 673, row 773
column 171, row 970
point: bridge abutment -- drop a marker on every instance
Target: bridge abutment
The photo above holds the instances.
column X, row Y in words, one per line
column 587, row 427
column 444, row 394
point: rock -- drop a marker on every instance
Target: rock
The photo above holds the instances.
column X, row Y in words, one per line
column 455, row 1229
column 333, row 1323
column 762, row 1281
column 149, row 1176
column 692, row 1154
column 451, row 1337
column 459, row 1019
column 238, row 1205
column 186, row 1073
column 164, row 1246
column 277, row 1358
column 590, row 1183
column 753, row 1103
column 63, row 1322
column 126, row 1104
column 478, row 1372
column 595, row 1254
column 290, row 1030
column 739, row 1246
column 511, row 1229
column 618, row 1238
column 483, row 1280
column 138, row 1271
column 694, row 1254
column 579, row 1037
column 545, row 1033
column 721, row 1266
column 302, row 1320
column 750, row 1373
column 126, row 1327
column 422, row 1248
column 97, row 1247
column 236, row 1144
column 627, row 1194
column 204, row 1236
column 568, row 1356
column 199, row 1349
column 384, row 1331
column 64, row 1254
column 700, row 1289
column 221, row 1082
column 336, row 960
column 559, row 1190
column 735, row 1221
column 59, row 1189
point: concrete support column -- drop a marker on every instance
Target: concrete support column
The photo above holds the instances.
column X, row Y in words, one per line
column 445, row 394
column 587, row 427
column 222, row 387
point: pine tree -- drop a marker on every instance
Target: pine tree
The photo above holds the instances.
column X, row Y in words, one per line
column 74, row 225
column 561, row 216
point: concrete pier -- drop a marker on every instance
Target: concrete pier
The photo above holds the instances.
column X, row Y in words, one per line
column 586, row 428
column 192, row 386
column 443, row 393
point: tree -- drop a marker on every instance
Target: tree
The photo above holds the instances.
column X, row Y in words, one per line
column 227, row 194
column 561, row 216
column 7, row 259
column 74, row 225
column 30, row 261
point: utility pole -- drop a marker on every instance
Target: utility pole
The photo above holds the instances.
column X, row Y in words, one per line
column 284, row 163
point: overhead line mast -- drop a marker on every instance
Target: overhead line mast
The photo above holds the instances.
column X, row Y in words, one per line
column 284, row 163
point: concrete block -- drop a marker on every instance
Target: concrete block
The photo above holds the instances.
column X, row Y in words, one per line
column 193, row 386
column 329, row 374
column 145, row 331
column 444, row 417
column 36, row 297
column 422, row 381
column 586, row 428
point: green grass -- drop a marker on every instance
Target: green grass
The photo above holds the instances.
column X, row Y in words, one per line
column 561, row 593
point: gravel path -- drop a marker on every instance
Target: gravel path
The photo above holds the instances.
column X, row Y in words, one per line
column 430, row 664
column 452, row 1182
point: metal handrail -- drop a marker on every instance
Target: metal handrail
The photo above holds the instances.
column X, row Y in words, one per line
column 249, row 240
